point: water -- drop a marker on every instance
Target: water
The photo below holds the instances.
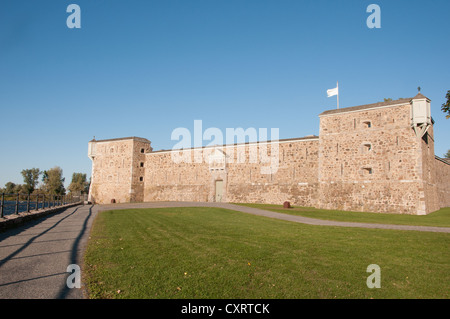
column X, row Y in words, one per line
column 10, row 206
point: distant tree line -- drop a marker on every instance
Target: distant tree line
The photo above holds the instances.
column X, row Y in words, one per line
column 52, row 183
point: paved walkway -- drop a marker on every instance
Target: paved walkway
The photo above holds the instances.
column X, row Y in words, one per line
column 34, row 257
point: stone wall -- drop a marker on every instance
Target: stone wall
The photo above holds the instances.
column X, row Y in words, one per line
column 429, row 199
column 166, row 180
column 293, row 180
column 369, row 161
column 140, row 148
column 116, row 171
column 264, row 173
column 442, row 167
column 367, row 158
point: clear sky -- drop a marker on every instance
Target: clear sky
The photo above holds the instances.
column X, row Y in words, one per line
column 144, row 68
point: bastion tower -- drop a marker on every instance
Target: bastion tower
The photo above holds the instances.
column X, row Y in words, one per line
column 379, row 158
column 118, row 169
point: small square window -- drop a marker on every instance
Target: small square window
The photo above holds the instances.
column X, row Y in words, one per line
column 141, row 179
column 367, row 147
column 141, row 164
column 367, row 124
column 142, row 150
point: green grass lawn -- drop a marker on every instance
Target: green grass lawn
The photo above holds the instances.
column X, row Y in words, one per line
column 440, row 218
column 218, row 253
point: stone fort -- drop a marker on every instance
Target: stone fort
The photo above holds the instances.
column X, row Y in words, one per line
column 376, row 158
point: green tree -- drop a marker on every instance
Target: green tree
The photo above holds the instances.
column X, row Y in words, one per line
column 31, row 179
column 21, row 188
column 79, row 183
column 10, row 188
column 447, row 155
column 446, row 106
column 54, row 181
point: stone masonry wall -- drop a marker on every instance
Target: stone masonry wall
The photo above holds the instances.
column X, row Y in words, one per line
column 369, row 161
column 428, row 193
column 140, row 148
column 112, row 171
column 366, row 159
column 443, row 182
column 116, row 170
column 295, row 179
column 294, row 176
column 166, row 180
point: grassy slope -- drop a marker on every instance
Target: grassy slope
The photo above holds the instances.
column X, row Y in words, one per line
column 217, row 253
column 440, row 218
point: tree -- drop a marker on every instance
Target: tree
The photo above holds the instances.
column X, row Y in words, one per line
column 10, row 188
column 447, row 155
column 21, row 188
column 53, row 181
column 31, row 179
column 446, row 106
column 79, row 183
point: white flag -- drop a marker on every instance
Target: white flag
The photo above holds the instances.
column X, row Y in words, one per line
column 333, row 92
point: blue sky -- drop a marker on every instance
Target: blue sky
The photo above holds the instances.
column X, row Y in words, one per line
column 144, row 68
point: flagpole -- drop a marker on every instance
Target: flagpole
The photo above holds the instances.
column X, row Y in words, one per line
column 337, row 94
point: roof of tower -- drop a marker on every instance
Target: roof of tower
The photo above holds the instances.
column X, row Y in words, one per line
column 369, row 106
column 420, row 96
column 139, row 139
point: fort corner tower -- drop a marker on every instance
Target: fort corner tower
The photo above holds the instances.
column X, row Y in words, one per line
column 118, row 169
column 380, row 158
